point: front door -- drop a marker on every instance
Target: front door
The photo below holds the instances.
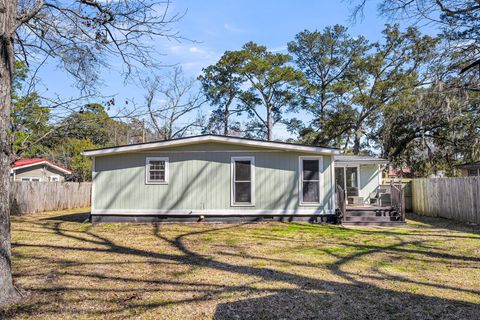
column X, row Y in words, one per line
column 347, row 178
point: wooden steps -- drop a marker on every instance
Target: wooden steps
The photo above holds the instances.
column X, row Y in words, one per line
column 371, row 216
column 374, row 224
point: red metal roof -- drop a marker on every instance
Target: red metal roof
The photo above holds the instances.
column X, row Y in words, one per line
column 26, row 162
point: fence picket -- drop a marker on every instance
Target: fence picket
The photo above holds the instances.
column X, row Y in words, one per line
column 30, row 197
column 451, row 198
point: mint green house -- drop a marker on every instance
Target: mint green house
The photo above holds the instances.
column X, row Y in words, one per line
column 212, row 178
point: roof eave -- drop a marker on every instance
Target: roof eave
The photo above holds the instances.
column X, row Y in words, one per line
column 66, row 171
column 362, row 162
column 230, row 140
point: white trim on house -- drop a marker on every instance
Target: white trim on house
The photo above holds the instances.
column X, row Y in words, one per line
column 92, row 195
column 147, row 170
column 300, row 180
column 211, row 138
column 332, row 184
column 43, row 162
column 252, row 181
column 215, row 212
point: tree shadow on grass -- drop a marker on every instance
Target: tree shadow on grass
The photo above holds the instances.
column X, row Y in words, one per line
column 72, row 217
column 307, row 296
column 344, row 301
column 443, row 223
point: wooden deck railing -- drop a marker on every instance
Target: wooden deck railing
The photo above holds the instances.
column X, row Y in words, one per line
column 397, row 196
column 341, row 202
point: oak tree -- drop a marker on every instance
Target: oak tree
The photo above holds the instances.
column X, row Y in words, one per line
column 83, row 37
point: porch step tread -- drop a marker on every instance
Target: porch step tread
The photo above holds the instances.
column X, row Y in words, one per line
column 374, row 223
column 368, row 219
column 371, row 214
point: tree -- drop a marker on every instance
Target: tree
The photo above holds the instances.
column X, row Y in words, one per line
column 68, row 153
column 29, row 119
column 432, row 129
column 170, row 105
column 91, row 122
column 270, row 84
column 391, row 69
column 326, row 59
column 221, row 85
column 458, row 20
column 82, row 36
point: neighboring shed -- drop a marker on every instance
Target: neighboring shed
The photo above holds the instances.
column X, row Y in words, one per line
column 471, row 169
column 212, row 177
column 38, row 169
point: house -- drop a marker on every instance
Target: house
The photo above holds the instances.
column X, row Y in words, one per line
column 397, row 172
column 471, row 169
column 38, row 169
column 360, row 177
column 214, row 178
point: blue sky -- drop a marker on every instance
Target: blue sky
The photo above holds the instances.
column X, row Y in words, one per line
column 217, row 26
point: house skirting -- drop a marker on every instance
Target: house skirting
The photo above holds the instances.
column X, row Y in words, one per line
column 215, row 216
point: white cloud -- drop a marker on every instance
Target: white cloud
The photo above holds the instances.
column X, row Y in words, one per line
column 279, row 49
column 196, row 50
column 232, row 28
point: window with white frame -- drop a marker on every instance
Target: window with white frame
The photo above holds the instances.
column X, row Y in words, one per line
column 30, row 179
column 310, row 179
column 156, row 170
column 53, row 178
column 243, row 181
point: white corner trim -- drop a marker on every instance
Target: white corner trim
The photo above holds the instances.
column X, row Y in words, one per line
column 252, row 181
column 211, row 138
column 92, row 190
column 147, row 169
column 320, row 181
column 333, row 185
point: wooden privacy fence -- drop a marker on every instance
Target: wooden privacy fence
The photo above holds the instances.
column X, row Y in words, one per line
column 451, row 198
column 29, row 197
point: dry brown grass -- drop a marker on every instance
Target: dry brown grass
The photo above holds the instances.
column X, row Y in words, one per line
column 429, row 269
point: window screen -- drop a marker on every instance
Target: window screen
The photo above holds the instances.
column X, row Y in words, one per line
column 242, row 181
column 157, row 170
column 310, row 181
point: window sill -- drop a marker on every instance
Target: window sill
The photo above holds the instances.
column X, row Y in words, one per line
column 159, row 182
column 242, row 205
column 310, row 204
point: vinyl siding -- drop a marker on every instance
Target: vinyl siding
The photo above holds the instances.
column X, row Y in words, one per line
column 199, row 179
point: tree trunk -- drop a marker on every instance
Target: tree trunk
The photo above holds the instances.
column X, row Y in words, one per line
column 225, row 120
column 269, row 123
column 356, row 141
column 8, row 11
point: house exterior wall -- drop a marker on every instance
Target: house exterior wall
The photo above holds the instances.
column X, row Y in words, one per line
column 473, row 172
column 370, row 179
column 41, row 171
column 200, row 183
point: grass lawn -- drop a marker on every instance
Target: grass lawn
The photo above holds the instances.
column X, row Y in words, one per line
column 429, row 269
